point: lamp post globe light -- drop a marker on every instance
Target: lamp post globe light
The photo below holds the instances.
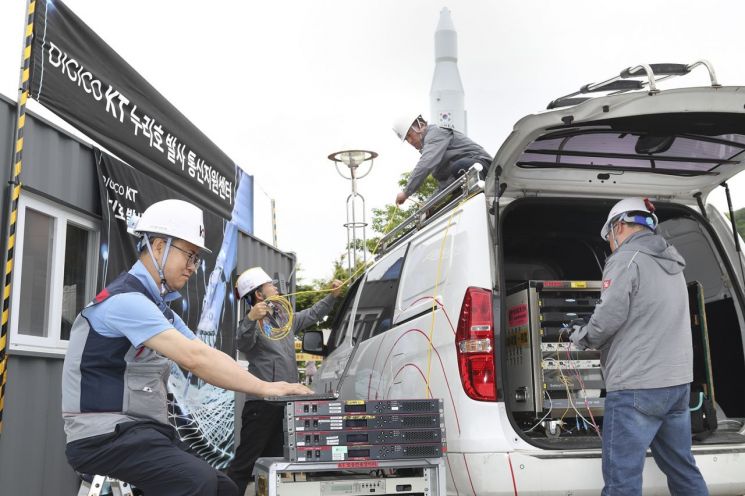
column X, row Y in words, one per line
column 359, row 163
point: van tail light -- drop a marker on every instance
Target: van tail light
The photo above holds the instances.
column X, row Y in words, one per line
column 474, row 342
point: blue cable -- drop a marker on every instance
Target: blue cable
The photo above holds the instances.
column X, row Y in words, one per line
column 700, row 402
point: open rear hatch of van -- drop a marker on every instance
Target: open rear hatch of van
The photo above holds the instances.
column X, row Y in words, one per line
column 669, row 145
column 558, row 174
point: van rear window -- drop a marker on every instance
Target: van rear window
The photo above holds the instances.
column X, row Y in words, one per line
column 666, row 149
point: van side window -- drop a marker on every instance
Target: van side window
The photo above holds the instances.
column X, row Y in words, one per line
column 341, row 320
column 378, row 299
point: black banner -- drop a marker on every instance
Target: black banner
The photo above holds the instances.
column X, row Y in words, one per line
column 202, row 414
column 126, row 191
column 78, row 76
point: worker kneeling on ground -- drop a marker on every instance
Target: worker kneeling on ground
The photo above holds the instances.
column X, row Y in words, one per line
column 642, row 328
column 271, row 356
column 114, row 379
column 446, row 153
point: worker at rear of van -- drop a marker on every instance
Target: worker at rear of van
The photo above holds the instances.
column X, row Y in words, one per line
column 642, row 328
column 445, row 153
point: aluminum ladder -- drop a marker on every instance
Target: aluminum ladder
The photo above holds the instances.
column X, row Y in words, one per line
column 99, row 484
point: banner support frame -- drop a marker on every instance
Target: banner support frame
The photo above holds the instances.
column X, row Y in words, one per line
column 14, row 191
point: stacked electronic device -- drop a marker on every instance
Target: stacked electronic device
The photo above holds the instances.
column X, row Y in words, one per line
column 548, row 377
column 359, row 430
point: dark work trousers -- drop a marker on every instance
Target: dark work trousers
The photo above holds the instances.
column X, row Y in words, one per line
column 459, row 167
column 151, row 457
column 262, row 435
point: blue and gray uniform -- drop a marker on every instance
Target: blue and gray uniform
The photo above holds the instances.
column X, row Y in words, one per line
column 114, row 394
column 109, row 377
column 444, row 149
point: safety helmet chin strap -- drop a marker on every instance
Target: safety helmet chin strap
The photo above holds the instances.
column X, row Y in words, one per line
column 164, row 289
column 418, row 122
column 613, row 239
column 418, row 127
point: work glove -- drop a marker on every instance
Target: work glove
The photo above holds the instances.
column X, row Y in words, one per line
column 571, row 328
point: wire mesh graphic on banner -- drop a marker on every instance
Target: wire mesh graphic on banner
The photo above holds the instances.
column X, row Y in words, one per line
column 204, row 414
column 203, row 417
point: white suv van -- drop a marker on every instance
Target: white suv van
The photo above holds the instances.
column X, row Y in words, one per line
column 463, row 303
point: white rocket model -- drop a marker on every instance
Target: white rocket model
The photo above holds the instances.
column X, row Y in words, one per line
column 446, row 96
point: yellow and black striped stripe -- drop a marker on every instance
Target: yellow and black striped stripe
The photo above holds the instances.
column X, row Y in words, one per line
column 15, row 191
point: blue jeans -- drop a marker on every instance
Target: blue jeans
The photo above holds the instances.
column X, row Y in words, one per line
column 637, row 419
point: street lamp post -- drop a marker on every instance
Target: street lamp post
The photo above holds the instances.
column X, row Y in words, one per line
column 356, row 232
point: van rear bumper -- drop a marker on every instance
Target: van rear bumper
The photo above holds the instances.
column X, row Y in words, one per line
column 579, row 473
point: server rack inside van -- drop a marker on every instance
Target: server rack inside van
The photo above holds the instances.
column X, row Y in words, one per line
column 551, row 382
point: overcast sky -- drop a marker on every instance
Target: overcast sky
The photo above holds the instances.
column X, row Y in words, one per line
column 280, row 85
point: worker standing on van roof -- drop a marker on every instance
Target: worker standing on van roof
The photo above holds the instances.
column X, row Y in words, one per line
column 642, row 327
column 446, row 153
column 114, row 378
column 262, row 432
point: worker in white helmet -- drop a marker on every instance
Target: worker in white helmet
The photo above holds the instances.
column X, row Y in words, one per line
column 120, row 353
column 445, row 152
column 262, row 432
column 642, row 327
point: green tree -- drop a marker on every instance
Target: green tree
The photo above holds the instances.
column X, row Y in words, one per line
column 308, row 294
column 740, row 221
column 389, row 216
column 384, row 220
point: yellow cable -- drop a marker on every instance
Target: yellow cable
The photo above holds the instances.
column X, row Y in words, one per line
column 566, row 383
column 434, row 292
column 564, row 380
column 282, row 305
column 282, row 332
column 434, row 300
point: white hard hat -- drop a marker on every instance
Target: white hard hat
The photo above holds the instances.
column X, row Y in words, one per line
column 403, row 123
column 624, row 211
column 175, row 218
column 251, row 279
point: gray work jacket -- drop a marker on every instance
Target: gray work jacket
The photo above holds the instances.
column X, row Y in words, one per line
column 441, row 147
column 275, row 360
column 642, row 324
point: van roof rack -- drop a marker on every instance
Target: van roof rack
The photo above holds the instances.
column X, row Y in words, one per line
column 435, row 206
column 632, row 79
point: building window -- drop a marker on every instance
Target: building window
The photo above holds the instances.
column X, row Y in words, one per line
column 38, row 236
column 54, row 274
column 75, row 290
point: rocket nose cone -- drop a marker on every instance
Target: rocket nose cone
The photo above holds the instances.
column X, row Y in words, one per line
column 446, row 22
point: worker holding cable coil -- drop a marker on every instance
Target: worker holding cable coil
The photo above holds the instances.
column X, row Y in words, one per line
column 267, row 337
